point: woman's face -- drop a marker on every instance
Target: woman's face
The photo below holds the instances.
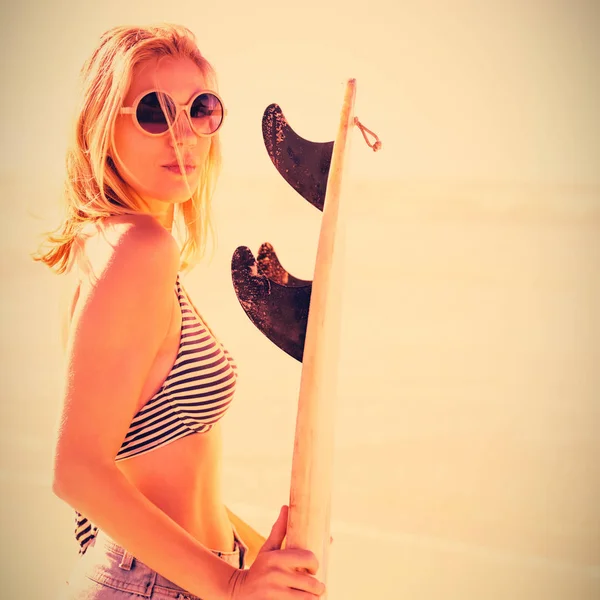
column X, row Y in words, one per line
column 141, row 159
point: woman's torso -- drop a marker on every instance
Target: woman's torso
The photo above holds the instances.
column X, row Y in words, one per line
column 182, row 478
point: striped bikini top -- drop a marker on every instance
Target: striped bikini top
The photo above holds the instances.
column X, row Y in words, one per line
column 194, row 396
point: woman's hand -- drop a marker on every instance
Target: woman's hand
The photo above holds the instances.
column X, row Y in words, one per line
column 278, row 574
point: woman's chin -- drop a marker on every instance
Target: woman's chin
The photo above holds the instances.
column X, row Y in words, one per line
column 174, row 194
column 179, row 187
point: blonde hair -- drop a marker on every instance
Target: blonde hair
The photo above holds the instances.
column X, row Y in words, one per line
column 93, row 187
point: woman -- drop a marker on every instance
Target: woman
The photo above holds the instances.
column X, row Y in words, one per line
column 139, row 444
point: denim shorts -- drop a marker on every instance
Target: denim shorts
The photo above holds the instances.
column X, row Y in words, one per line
column 107, row 571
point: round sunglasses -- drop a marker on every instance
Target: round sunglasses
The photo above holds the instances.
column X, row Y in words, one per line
column 154, row 112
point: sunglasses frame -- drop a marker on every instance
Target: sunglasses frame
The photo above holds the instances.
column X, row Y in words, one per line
column 179, row 108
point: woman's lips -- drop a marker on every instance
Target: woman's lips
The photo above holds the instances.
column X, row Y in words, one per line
column 189, row 169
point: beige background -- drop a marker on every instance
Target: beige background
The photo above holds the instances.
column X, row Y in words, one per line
column 467, row 446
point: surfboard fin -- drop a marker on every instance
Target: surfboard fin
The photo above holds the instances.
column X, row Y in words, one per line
column 269, row 265
column 302, row 163
column 275, row 301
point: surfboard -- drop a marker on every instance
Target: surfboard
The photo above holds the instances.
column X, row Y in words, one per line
column 303, row 317
column 312, row 462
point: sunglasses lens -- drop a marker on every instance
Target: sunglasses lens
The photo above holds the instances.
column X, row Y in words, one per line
column 206, row 113
column 150, row 113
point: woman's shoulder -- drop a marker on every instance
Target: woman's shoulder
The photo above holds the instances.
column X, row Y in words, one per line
column 126, row 233
column 125, row 256
column 125, row 242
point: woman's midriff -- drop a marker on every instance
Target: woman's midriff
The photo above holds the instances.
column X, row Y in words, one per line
column 183, row 479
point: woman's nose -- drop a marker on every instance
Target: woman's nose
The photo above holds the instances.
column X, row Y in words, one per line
column 183, row 131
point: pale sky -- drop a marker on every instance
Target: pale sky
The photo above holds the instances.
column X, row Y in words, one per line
column 498, row 91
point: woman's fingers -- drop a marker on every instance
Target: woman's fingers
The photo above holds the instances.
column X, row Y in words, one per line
column 298, row 580
column 289, row 572
column 306, row 583
column 276, row 582
column 294, row 559
column 278, row 531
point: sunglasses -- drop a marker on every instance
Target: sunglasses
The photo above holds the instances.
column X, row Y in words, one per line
column 155, row 112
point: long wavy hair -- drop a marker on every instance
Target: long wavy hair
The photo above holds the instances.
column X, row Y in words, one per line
column 93, row 187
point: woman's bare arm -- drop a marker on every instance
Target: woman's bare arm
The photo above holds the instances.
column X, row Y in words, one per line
column 121, row 319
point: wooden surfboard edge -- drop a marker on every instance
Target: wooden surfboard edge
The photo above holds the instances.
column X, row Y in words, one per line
column 310, row 489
